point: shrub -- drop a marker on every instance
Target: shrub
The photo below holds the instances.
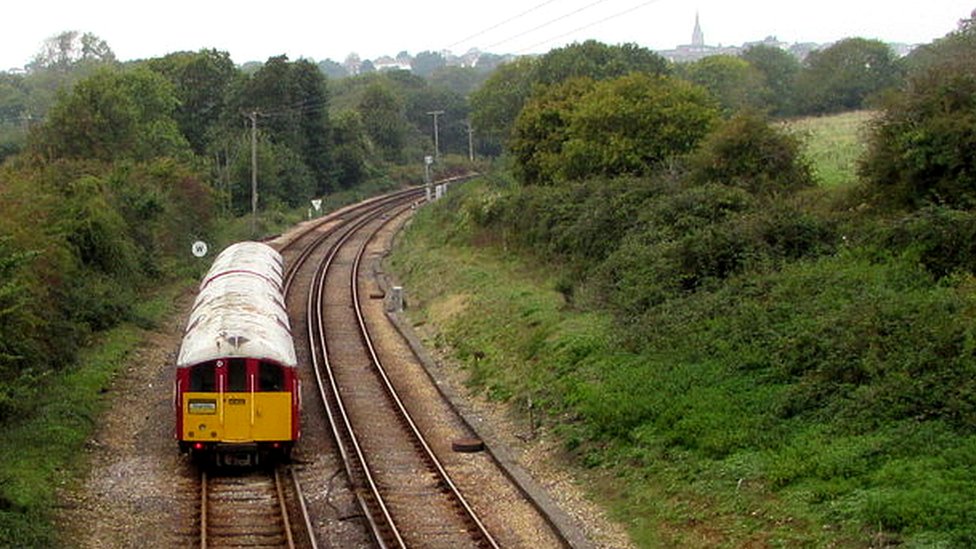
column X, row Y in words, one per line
column 921, row 148
column 747, row 152
column 941, row 239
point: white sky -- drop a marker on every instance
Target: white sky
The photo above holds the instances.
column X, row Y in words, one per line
column 323, row 29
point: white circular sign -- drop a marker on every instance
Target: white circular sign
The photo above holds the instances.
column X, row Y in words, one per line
column 199, row 248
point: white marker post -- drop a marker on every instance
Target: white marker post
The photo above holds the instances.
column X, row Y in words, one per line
column 428, row 160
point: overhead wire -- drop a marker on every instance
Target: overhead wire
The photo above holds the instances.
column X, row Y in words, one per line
column 497, row 25
column 550, row 22
column 589, row 25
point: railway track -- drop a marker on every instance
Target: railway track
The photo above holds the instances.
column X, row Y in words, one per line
column 408, row 490
column 252, row 509
column 408, row 496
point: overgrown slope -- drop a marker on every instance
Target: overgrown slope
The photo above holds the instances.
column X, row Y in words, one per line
column 806, row 395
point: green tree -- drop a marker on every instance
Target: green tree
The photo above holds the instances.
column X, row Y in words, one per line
column 333, row 69
column 427, row 63
column 202, row 81
column 496, row 104
column 542, row 129
column 14, row 113
column 64, row 51
column 634, row 124
column 382, row 115
column 352, row 149
column 460, row 80
column 732, row 81
column 115, row 115
column 628, row 125
column 845, row 75
column 598, row 61
column 921, row 148
column 779, row 69
column 292, row 103
column 451, row 130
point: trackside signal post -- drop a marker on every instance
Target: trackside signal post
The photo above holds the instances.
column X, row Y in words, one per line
column 428, row 160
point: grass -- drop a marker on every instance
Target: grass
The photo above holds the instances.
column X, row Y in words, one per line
column 516, row 337
column 822, row 403
column 834, row 144
column 42, row 453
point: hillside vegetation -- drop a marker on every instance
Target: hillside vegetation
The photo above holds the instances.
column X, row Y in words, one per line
column 739, row 349
column 754, row 347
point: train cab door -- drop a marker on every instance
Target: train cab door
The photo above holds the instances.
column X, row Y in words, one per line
column 236, row 401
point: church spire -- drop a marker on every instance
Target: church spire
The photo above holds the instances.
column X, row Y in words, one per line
column 697, row 37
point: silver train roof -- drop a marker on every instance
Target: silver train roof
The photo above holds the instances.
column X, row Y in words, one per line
column 239, row 311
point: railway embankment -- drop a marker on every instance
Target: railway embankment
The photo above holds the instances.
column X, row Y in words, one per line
column 818, row 400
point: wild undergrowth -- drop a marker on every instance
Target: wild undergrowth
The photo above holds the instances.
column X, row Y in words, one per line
column 42, row 451
column 809, row 395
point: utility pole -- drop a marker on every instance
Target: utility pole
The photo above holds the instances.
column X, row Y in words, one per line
column 437, row 146
column 470, row 141
column 253, row 115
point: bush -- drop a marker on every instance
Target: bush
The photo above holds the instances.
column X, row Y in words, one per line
column 748, row 153
column 941, row 239
column 921, row 148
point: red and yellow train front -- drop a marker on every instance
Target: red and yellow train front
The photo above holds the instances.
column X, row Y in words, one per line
column 242, row 406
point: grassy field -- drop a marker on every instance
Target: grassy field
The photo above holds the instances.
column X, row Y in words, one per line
column 834, row 144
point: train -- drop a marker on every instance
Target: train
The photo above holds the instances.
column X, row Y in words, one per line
column 237, row 392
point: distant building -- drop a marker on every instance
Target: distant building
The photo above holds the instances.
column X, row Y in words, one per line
column 387, row 63
column 697, row 36
column 697, row 49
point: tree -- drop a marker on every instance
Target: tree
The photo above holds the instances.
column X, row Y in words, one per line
column 627, row 125
column 634, row 124
column 496, row 104
column 732, row 81
column 541, row 130
column 427, row 62
column 845, row 75
column 382, row 115
column 67, row 49
column 352, row 63
column 451, row 132
column 201, row 81
column 779, row 69
column 352, row 150
column 292, row 101
column 460, row 80
column 921, row 148
column 598, row 61
column 115, row 115
column 333, row 69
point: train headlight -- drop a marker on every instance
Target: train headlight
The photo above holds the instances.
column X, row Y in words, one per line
column 202, row 406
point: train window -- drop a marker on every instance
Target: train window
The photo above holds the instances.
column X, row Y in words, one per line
column 237, row 375
column 271, row 377
column 202, row 378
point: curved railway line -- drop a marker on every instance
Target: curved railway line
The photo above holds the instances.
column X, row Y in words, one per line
column 396, row 434
column 385, row 453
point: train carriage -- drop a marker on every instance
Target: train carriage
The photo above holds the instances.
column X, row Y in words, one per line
column 237, row 389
